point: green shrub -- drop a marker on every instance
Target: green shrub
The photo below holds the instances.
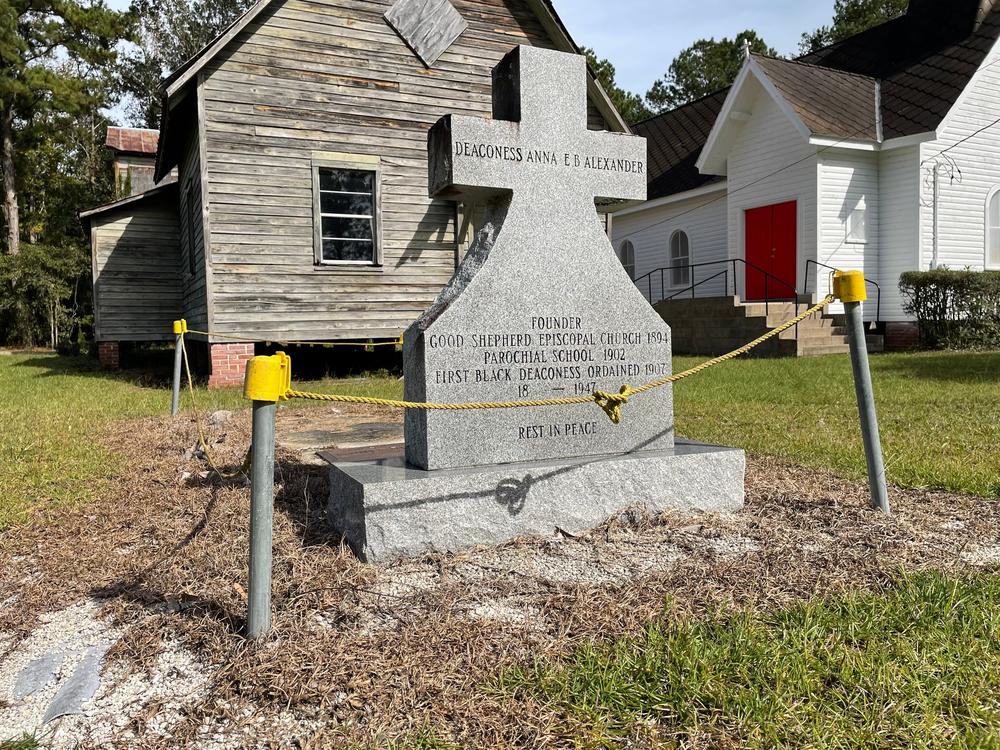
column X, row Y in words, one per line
column 954, row 309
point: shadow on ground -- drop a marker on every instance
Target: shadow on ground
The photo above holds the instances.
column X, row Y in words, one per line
column 958, row 367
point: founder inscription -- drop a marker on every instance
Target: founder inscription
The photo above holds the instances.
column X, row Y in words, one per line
column 540, row 306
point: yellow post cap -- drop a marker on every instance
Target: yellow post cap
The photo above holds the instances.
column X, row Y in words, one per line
column 849, row 286
column 268, row 378
column 180, row 326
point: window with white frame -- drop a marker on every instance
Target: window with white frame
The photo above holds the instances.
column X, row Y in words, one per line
column 857, row 224
column 680, row 259
column 346, row 214
column 626, row 254
column 993, row 229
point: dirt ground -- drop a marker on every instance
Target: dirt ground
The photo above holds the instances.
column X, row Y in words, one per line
column 154, row 576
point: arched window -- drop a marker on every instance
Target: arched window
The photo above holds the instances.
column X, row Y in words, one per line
column 993, row 229
column 626, row 254
column 680, row 259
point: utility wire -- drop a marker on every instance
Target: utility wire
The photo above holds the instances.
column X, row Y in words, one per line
column 819, row 151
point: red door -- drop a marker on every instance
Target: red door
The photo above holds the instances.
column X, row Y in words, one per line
column 770, row 248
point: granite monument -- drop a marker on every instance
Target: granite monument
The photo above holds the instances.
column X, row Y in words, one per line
column 539, row 308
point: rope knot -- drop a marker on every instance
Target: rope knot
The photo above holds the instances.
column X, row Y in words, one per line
column 612, row 403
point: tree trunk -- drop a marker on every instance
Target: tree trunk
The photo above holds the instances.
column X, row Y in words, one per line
column 10, row 208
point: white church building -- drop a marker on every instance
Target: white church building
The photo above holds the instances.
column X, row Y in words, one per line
column 879, row 153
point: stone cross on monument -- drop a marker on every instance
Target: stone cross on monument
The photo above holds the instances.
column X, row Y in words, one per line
column 537, row 144
column 540, row 307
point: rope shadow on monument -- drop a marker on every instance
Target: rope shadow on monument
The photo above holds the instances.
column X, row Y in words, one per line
column 512, row 492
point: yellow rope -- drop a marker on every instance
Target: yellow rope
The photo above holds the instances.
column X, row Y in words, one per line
column 202, row 441
column 289, row 342
column 611, row 403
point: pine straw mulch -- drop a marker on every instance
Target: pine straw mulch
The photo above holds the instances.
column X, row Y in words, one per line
column 372, row 654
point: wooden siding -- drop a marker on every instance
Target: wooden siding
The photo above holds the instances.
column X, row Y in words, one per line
column 846, row 178
column 767, row 143
column 137, row 288
column 191, row 209
column 898, row 227
column 311, row 77
column 702, row 217
column 962, row 206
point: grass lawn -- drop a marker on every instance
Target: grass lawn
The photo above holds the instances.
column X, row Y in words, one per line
column 53, row 408
column 913, row 664
column 917, row 666
column 939, row 414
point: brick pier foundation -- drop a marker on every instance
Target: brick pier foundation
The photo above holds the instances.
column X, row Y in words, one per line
column 108, row 355
column 901, row 335
column 228, row 363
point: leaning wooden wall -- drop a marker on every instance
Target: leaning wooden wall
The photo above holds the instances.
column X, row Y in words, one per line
column 309, row 77
column 137, row 288
column 190, row 206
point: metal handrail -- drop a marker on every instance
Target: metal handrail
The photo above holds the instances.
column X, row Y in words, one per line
column 725, row 284
column 729, row 261
column 832, row 269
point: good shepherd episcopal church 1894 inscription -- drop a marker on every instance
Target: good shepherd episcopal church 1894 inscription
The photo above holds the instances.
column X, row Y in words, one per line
column 540, row 307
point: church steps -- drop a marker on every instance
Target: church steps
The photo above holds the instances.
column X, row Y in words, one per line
column 716, row 325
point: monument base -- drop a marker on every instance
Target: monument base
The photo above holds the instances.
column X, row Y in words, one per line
column 387, row 510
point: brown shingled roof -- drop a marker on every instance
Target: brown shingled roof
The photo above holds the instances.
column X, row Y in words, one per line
column 923, row 61
column 830, row 102
column 673, row 141
column 132, row 140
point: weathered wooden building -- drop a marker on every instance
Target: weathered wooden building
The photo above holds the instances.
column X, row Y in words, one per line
column 300, row 208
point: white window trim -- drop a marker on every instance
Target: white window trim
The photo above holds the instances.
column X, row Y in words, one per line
column 994, row 191
column 670, row 257
column 360, row 163
column 848, row 239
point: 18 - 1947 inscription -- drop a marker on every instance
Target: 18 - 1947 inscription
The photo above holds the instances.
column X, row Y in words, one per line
column 551, row 357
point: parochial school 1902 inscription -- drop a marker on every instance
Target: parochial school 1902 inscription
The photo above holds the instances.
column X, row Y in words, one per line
column 520, row 154
column 553, row 356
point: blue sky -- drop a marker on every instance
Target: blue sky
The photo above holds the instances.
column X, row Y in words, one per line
column 641, row 37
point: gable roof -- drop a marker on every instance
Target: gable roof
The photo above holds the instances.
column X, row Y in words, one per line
column 165, row 188
column 922, row 61
column 132, row 140
column 673, row 141
column 829, row 102
column 174, row 86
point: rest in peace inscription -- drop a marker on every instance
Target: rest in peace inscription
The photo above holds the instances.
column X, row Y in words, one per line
column 540, row 307
column 547, row 357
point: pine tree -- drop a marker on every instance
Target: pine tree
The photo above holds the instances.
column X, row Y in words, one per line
column 37, row 38
column 704, row 67
column 851, row 17
column 629, row 105
column 167, row 34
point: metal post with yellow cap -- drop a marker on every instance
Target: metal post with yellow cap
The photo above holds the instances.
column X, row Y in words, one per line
column 180, row 328
column 267, row 381
column 849, row 286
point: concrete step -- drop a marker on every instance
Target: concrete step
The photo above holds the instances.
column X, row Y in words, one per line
column 759, row 309
column 805, row 333
column 699, row 305
column 819, row 350
column 814, row 322
column 714, row 325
